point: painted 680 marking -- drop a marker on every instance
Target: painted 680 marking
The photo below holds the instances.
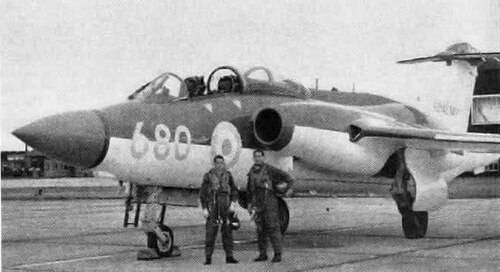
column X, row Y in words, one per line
column 161, row 149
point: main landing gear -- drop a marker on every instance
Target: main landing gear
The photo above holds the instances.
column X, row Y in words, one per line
column 403, row 191
column 284, row 215
column 414, row 224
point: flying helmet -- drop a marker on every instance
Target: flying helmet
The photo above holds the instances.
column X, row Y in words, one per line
column 234, row 221
column 281, row 188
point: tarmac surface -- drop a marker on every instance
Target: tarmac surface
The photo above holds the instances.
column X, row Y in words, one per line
column 325, row 234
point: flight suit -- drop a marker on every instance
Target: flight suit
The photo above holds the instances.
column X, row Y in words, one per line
column 263, row 199
column 217, row 192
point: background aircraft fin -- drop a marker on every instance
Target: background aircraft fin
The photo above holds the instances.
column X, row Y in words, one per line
column 444, row 93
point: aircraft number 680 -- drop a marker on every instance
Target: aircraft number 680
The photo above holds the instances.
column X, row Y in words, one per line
column 161, row 149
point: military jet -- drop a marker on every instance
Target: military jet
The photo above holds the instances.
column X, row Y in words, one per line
column 167, row 132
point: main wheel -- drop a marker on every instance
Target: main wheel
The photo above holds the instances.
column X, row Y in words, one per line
column 284, row 215
column 164, row 250
column 415, row 224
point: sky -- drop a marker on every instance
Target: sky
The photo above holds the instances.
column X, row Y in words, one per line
column 61, row 56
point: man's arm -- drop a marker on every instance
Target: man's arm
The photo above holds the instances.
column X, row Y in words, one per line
column 203, row 192
column 234, row 189
column 250, row 193
column 278, row 175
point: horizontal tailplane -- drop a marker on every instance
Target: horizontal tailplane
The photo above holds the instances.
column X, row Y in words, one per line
column 459, row 51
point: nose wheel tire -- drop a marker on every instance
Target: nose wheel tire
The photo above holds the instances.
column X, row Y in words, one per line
column 163, row 249
column 415, row 224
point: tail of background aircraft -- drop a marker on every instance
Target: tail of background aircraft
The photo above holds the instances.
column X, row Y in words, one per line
column 444, row 92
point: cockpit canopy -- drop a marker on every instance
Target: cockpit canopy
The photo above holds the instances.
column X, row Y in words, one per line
column 224, row 79
column 164, row 88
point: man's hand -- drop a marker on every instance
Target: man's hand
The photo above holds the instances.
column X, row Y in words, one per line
column 282, row 186
column 252, row 215
column 251, row 212
column 205, row 213
column 232, row 207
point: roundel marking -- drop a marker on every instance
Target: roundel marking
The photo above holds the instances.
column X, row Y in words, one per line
column 226, row 141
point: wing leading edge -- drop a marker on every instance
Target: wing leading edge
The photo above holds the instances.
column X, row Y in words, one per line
column 428, row 139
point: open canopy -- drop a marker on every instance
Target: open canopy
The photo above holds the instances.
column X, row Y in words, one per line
column 224, row 79
column 164, row 88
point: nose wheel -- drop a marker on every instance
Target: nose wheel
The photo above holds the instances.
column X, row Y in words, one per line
column 163, row 249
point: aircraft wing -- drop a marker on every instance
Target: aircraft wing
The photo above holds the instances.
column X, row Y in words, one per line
column 425, row 138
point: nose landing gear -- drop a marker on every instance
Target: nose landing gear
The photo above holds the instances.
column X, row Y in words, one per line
column 160, row 237
column 164, row 249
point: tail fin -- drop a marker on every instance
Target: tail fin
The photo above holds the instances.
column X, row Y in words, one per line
column 445, row 92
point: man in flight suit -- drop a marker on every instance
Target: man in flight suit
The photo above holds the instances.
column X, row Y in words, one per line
column 218, row 198
column 265, row 184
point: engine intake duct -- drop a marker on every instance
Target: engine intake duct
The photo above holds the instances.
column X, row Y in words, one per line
column 294, row 130
column 271, row 129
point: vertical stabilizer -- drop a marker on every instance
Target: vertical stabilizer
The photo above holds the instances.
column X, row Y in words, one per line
column 445, row 91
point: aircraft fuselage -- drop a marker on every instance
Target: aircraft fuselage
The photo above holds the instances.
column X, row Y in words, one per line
column 172, row 144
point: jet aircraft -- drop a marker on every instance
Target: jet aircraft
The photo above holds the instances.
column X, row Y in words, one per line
column 168, row 131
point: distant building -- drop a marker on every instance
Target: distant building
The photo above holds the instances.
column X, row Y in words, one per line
column 35, row 164
column 15, row 163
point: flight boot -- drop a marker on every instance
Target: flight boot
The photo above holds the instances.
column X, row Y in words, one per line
column 231, row 260
column 261, row 258
column 277, row 258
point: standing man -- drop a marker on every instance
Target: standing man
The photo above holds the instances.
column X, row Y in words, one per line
column 265, row 185
column 218, row 198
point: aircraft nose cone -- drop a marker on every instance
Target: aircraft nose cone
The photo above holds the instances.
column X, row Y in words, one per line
column 77, row 138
